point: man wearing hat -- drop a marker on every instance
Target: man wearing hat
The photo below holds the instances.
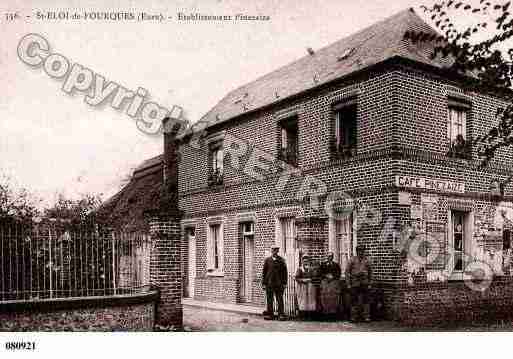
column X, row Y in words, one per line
column 358, row 277
column 274, row 280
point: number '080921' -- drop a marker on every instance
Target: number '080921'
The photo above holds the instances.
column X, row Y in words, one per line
column 20, row 346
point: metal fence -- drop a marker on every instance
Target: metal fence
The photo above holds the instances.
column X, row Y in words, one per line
column 42, row 261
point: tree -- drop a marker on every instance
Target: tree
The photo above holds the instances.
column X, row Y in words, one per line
column 17, row 202
column 481, row 56
column 74, row 210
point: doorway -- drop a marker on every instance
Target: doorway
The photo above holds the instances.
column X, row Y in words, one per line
column 191, row 264
column 248, row 255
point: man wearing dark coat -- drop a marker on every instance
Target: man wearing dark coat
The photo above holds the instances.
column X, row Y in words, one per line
column 274, row 280
column 330, row 269
column 358, row 277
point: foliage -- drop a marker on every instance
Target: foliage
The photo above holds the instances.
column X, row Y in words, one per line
column 74, row 210
column 16, row 202
column 480, row 54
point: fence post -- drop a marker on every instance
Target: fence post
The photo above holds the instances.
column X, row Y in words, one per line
column 114, row 270
column 50, row 262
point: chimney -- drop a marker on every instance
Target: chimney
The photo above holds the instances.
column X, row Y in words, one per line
column 164, row 226
column 170, row 168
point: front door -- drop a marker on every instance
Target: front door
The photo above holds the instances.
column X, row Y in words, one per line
column 343, row 241
column 191, row 270
column 248, row 255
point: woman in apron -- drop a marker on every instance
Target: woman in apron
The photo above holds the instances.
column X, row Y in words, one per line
column 307, row 288
column 330, row 287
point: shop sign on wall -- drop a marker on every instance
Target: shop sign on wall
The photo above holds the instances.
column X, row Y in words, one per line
column 430, row 207
column 430, row 184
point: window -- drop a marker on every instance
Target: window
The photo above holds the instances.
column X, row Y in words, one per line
column 215, row 249
column 216, row 165
column 506, row 239
column 343, row 241
column 286, row 240
column 345, row 134
column 289, row 141
column 457, row 132
column 459, row 241
column 248, row 228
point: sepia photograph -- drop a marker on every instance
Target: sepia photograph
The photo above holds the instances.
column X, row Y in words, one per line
column 281, row 167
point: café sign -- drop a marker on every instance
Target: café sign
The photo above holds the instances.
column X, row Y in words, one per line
column 429, row 184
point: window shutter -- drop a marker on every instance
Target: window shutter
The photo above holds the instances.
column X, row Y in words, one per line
column 220, row 159
column 469, row 240
column 210, row 249
column 332, row 235
column 354, row 233
column 464, row 124
column 221, row 247
column 277, row 235
column 450, row 242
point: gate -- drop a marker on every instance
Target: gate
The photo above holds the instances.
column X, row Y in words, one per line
column 51, row 260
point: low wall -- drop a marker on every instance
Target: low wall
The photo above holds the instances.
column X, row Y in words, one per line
column 444, row 304
column 113, row 313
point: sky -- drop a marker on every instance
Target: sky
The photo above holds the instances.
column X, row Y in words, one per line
column 52, row 142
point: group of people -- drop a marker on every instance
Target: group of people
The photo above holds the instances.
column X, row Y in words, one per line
column 319, row 287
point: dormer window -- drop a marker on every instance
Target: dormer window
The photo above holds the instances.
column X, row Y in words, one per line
column 216, row 164
column 288, row 151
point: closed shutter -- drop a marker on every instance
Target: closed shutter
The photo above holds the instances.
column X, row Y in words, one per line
column 210, row 248
column 221, row 247
column 450, row 243
column 464, row 124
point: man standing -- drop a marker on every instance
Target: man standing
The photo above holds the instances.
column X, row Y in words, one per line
column 330, row 269
column 274, row 280
column 358, row 277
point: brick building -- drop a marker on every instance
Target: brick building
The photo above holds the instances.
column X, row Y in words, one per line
column 367, row 141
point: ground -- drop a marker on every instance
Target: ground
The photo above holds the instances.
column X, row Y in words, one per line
column 199, row 319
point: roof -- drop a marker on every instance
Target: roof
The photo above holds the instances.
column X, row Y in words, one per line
column 148, row 166
column 126, row 208
column 377, row 43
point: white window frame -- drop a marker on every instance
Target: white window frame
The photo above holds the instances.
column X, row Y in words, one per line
column 212, row 270
column 285, row 138
column 340, row 120
column 288, row 251
column 468, row 242
column 457, row 123
column 333, row 245
column 217, row 154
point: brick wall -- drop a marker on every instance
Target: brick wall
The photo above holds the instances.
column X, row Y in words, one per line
column 402, row 126
column 445, row 304
column 138, row 317
column 166, row 269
